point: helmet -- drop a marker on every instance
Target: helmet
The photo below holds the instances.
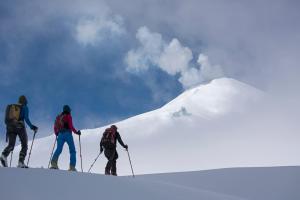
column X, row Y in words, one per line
column 22, row 100
column 67, row 109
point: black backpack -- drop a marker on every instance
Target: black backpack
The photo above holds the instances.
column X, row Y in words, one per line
column 108, row 139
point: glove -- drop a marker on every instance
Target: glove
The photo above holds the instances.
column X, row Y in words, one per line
column 101, row 149
column 34, row 128
column 126, row 146
column 78, row 132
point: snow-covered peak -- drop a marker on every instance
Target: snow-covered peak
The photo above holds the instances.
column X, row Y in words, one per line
column 215, row 98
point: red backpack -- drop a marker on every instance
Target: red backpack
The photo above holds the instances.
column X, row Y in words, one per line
column 59, row 124
column 108, row 139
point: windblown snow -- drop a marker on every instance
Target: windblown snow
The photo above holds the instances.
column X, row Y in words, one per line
column 211, row 126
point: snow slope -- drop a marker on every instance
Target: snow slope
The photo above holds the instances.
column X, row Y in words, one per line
column 203, row 128
column 225, row 184
column 269, row 183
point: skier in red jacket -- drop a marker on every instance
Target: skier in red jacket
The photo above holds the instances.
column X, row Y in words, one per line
column 63, row 129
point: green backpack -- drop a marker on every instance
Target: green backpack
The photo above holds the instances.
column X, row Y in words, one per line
column 13, row 113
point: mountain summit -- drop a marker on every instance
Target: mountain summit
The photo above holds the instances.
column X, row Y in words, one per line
column 218, row 97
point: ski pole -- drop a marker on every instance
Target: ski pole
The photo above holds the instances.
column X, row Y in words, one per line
column 130, row 163
column 52, row 151
column 11, row 157
column 94, row 161
column 31, row 147
column 80, row 153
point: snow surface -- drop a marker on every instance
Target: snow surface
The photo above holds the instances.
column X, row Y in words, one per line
column 203, row 128
column 225, row 184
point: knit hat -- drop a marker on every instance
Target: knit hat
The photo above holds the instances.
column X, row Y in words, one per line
column 114, row 127
column 22, row 100
column 67, row 108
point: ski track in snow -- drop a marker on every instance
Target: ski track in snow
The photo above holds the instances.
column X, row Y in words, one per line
column 276, row 183
column 48, row 184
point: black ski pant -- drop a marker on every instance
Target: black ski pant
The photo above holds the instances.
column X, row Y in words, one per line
column 112, row 156
column 12, row 133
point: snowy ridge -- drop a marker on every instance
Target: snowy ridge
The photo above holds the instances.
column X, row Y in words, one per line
column 226, row 184
column 218, row 97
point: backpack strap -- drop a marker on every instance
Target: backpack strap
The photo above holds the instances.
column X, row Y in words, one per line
column 6, row 114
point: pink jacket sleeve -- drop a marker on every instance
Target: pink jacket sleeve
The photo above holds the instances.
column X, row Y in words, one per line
column 70, row 123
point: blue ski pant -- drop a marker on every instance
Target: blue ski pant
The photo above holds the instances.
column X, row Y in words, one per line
column 61, row 139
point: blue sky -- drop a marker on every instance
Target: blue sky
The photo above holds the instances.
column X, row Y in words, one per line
column 110, row 60
column 44, row 61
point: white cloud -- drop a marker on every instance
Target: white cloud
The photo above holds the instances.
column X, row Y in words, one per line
column 91, row 31
column 173, row 58
column 151, row 46
column 208, row 70
column 191, row 77
column 152, row 43
column 135, row 61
